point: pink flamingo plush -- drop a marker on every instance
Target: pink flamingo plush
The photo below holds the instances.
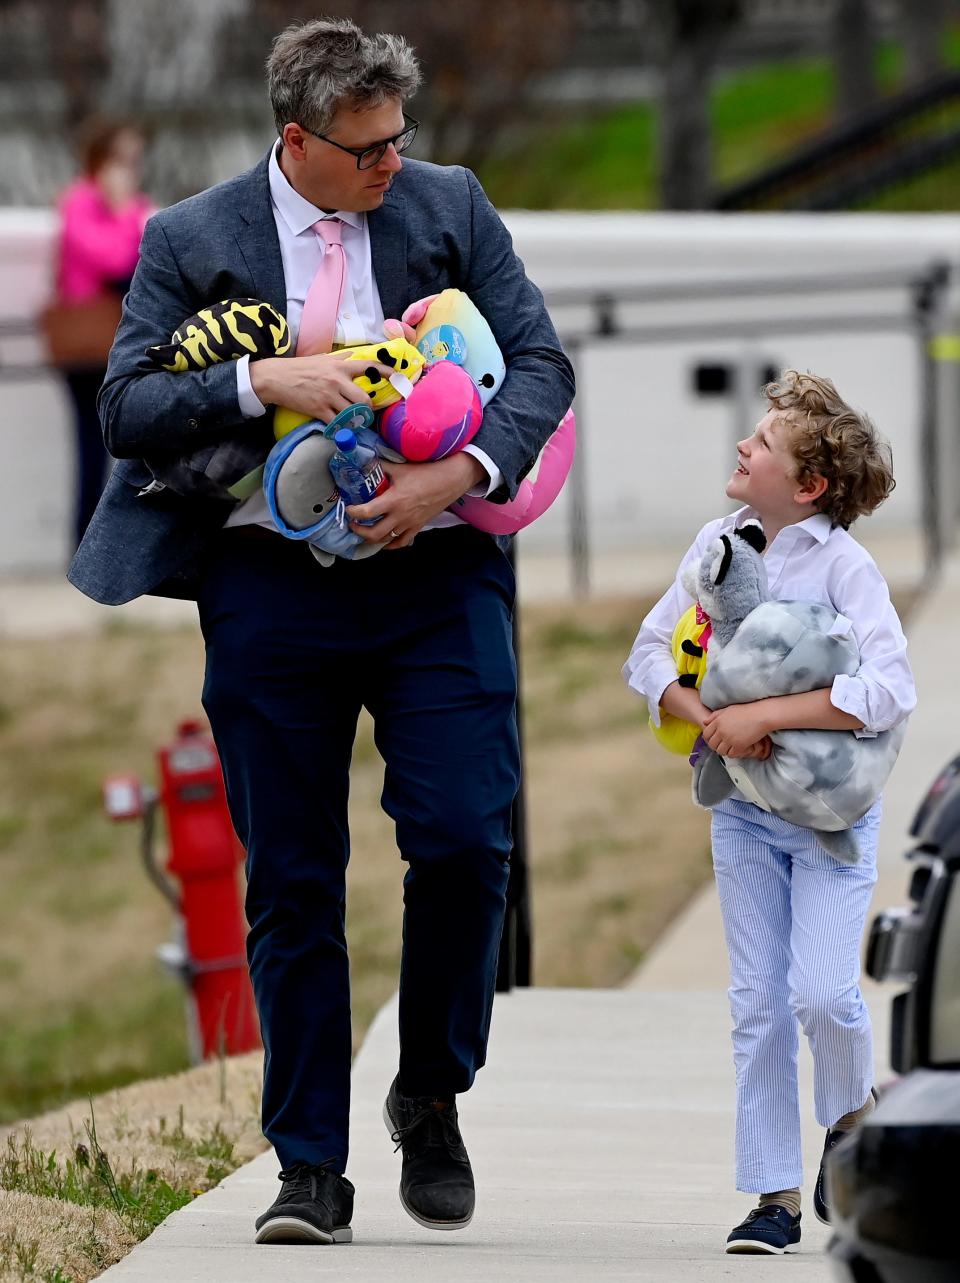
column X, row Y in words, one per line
column 533, row 497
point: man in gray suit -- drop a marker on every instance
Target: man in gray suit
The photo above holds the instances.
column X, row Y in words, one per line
column 419, row 634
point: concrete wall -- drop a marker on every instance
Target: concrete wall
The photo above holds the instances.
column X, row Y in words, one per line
column 655, row 454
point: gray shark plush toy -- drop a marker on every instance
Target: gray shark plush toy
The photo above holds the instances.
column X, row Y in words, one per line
column 822, row 780
column 301, row 494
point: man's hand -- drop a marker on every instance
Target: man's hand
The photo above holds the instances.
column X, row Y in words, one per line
column 320, row 386
column 417, row 492
column 737, row 731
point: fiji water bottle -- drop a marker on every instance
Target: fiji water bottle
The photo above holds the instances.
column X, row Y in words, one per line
column 357, row 472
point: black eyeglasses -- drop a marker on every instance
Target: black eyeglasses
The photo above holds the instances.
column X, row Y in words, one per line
column 367, row 157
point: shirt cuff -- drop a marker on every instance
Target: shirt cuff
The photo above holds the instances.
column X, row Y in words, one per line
column 650, row 680
column 251, row 407
column 481, row 491
column 847, row 694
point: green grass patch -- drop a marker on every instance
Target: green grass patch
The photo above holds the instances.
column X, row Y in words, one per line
column 608, row 159
column 142, row 1198
column 133, row 1027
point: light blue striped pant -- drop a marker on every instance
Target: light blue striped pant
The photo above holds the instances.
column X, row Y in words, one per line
column 793, row 918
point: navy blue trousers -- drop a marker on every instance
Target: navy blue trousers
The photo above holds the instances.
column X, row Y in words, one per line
column 422, row 638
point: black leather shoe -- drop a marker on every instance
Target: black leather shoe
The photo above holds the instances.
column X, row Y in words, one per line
column 767, row 1231
column 315, row 1206
column 436, row 1182
column 821, row 1209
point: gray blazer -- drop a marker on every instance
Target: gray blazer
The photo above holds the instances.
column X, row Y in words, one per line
column 435, row 229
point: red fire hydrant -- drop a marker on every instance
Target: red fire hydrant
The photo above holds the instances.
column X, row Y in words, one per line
column 208, row 948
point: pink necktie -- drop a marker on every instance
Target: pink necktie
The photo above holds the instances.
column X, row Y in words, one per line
column 322, row 304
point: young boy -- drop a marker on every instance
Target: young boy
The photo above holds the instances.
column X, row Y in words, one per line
column 793, row 916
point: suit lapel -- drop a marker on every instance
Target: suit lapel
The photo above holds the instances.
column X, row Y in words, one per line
column 256, row 234
column 388, row 252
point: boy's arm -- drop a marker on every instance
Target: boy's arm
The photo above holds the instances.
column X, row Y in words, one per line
column 879, row 696
column 683, row 702
column 881, row 693
column 737, row 727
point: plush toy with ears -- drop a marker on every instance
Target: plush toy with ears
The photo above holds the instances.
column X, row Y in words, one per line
column 822, row 780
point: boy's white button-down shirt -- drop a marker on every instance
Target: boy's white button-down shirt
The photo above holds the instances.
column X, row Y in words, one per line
column 360, row 319
column 808, row 561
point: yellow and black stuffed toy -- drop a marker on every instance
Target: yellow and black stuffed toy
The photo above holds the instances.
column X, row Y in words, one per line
column 226, row 331
column 689, row 646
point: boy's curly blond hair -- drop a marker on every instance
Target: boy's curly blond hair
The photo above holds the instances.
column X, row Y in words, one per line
column 840, row 444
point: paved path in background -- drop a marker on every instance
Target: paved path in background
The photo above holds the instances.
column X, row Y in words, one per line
column 602, row 1129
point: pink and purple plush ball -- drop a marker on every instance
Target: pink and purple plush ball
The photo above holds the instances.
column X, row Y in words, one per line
column 441, row 414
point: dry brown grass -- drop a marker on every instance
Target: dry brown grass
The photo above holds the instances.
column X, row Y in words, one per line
column 162, row 1123
column 166, row 1139
column 56, row 1242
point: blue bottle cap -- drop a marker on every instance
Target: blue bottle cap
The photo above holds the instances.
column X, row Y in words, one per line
column 345, row 440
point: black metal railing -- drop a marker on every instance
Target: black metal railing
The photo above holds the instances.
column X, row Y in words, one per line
column 899, row 139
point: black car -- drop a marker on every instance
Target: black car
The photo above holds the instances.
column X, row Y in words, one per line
column 894, row 1184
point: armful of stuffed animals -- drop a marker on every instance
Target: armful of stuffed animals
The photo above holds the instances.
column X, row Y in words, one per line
column 318, row 386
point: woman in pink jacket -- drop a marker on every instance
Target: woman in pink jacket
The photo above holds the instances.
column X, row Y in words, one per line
column 102, row 216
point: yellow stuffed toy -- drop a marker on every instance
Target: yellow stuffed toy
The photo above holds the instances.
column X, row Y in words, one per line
column 689, row 646
column 407, row 362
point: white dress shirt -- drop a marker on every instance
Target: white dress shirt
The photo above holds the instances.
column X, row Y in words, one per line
column 360, row 319
column 808, row 561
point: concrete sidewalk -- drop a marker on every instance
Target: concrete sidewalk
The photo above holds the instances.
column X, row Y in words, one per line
column 600, row 1132
column 602, row 1129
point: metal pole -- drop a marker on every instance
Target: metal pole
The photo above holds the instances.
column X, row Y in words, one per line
column 514, row 966
column 744, row 393
column 927, row 294
column 577, row 486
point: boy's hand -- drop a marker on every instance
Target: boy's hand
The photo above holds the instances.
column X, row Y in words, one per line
column 735, row 731
column 761, row 750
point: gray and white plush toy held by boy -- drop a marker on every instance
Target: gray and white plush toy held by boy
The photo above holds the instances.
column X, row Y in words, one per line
column 823, row 780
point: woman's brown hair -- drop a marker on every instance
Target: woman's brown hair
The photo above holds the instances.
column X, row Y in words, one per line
column 95, row 141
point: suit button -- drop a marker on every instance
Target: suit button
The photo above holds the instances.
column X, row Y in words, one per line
column 192, row 423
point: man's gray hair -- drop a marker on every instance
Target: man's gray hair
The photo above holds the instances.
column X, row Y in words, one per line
column 315, row 67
